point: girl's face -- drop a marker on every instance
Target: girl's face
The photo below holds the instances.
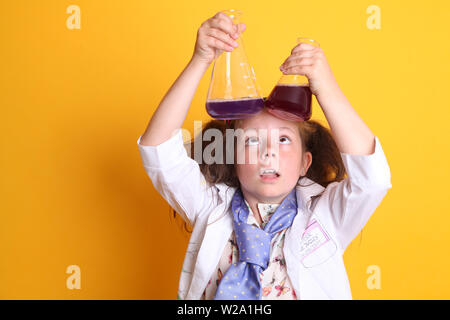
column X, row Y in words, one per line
column 274, row 143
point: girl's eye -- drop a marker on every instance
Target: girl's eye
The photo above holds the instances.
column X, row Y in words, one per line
column 254, row 140
column 285, row 138
column 251, row 140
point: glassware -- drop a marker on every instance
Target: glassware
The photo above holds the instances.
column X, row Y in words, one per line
column 233, row 91
column 291, row 98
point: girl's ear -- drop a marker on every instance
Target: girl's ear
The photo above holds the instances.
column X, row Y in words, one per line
column 307, row 161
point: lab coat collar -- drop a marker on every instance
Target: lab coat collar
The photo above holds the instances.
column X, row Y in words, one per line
column 305, row 190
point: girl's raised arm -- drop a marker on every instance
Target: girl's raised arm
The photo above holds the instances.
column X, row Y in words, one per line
column 351, row 134
column 347, row 204
column 215, row 34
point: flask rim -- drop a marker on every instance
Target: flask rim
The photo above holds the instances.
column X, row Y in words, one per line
column 233, row 13
column 308, row 40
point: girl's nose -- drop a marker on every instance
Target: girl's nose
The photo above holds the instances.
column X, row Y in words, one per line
column 267, row 153
column 265, row 157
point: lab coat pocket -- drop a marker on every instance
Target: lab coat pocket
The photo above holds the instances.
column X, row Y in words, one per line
column 316, row 246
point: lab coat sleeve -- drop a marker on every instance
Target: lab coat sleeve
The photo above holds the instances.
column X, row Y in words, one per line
column 176, row 176
column 352, row 201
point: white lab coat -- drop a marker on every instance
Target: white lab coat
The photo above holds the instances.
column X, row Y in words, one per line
column 314, row 244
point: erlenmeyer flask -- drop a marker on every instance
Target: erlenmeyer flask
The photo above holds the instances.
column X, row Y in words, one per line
column 233, row 91
column 291, row 97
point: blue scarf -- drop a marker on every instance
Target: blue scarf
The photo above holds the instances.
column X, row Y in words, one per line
column 241, row 280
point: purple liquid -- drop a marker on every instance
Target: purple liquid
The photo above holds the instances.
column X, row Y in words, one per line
column 234, row 109
column 291, row 102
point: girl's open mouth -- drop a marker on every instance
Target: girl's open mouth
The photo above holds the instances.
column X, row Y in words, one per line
column 268, row 177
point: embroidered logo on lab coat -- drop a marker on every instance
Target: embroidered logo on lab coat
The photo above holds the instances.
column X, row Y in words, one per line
column 316, row 246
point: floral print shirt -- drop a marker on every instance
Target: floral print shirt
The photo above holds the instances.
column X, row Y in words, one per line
column 274, row 280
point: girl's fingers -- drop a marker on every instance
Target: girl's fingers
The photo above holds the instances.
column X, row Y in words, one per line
column 222, row 36
column 303, row 46
column 242, row 27
column 218, row 44
column 297, row 62
column 302, row 70
column 301, row 54
column 224, row 23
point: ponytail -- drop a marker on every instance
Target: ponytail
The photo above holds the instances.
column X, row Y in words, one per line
column 327, row 165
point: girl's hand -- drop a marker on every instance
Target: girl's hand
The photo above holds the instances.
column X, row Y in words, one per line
column 310, row 61
column 215, row 35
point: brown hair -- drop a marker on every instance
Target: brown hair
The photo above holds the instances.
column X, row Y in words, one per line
column 326, row 167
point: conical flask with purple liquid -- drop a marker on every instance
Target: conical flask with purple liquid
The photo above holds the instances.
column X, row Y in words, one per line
column 291, row 98
column 233, row 91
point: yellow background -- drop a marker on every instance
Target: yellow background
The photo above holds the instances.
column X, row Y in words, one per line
column 73, row 103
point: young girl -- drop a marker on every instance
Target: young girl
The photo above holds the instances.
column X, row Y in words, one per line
column 277, row 228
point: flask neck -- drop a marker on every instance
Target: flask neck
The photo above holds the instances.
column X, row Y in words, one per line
column 234, row 14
